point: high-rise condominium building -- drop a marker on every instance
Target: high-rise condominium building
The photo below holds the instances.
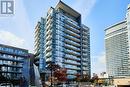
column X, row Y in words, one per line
column 61, row 38
column 117, row 42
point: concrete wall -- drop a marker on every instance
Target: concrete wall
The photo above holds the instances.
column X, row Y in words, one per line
column 122, row 81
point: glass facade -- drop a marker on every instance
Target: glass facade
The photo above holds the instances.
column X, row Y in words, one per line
column 12, row 63
column 117, row 48
column 66, row 41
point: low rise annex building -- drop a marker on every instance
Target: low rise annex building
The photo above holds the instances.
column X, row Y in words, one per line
column 14, row 66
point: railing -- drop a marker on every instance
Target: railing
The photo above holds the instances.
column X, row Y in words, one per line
column 10, row 59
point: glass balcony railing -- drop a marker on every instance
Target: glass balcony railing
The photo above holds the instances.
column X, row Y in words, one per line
column 84, row 54
column 73, row 68
column 71, row 20
column 72, row 24
column 48, row 59
column 85, row 37
column 48, row 49
column 72, row 57
column 85, row 33
column 84, row 42
column 49, row 16
column 10, row 59
column 85, row 68
column 48, row 54
column 84, row 59
column 48, row 27
column 48, row 43
column 72, row 33
column 11, row 65
column 17, row 72
column 85, row 64
column 49, row 21
column 72, row 47
column 85, row 46
column 72, row 72
column 72, row 52
column 48, row 32
column 71, row 62
column 72, row 38
column 48, row 37
column 72, row 42
column 71, row 28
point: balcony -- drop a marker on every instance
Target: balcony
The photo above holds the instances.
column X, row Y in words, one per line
column 72, row 43
column 84, row 50
column 72, row 38
column 72, row 68
column 71, row 28
column 10, row 59
column 84, row 59
column 48, row 37
column 48, row 27
column 84, row 37
column 48, row 59
column 84, row 42
column 48, row 49
column 48, row 54
column 49, row 32
column 11, row 65
column 71, row 20
column 71, row 33
column 85, row 64
column 37, row 34
column 71, row 52
column 37, row 27
column 71, row 23
column 17, row 72
column 85, row 33
column 71, row 57
column 84, row 55
column 49, row 16
column 71, row 63
column 71, row 73
column 48, row 43
column 49, row 21
column 72, row 47
column 85, row 69
column 85, row 46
